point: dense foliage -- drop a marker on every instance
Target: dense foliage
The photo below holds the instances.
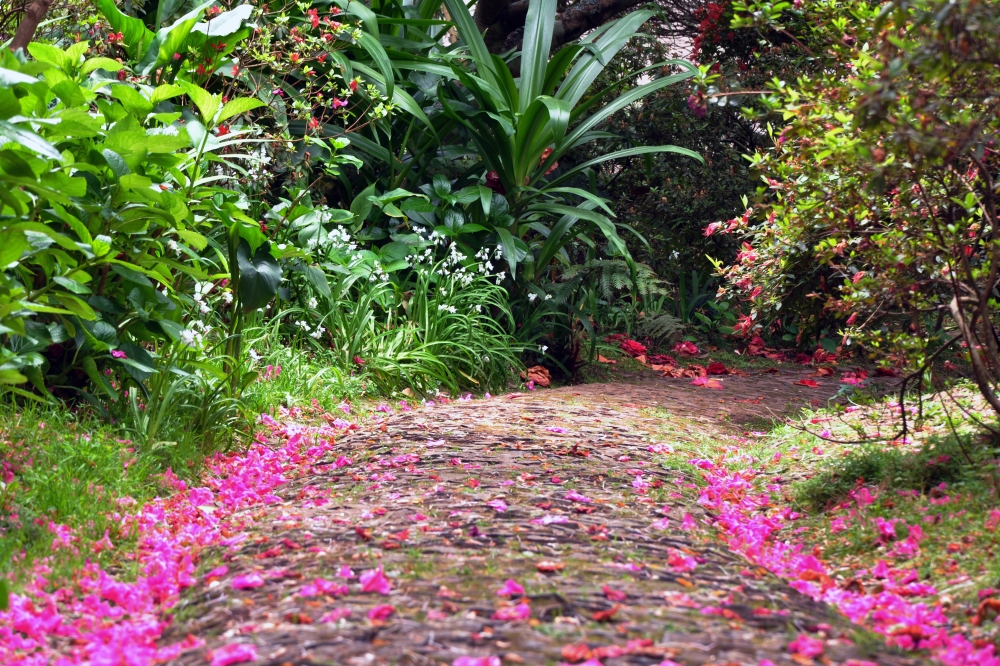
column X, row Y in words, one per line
column 879, row 219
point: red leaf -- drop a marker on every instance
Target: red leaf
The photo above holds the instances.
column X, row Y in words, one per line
column 605, row 615
column 811, row 383
column 717, row 368
column 614, row 595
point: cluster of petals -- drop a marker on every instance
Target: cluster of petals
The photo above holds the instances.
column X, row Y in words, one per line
column 750, row 524
column 99, row 618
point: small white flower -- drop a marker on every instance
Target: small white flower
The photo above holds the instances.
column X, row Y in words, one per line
column 313, row 303
column 543, row 348
column 227, row 297
column 548, row 297
column 254, row 356
column 532, row 297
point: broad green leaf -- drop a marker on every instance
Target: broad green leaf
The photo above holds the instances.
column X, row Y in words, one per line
column 207, row 103
column 164, row 92
column 11, row 376
column 8, row 78
column 259, row 276
column 170, row 40
column 77, row 306
column 132, row 100
column 12, row 245
column 225, row 23
column 136, row 36
column 28, row 139
column 193, row 238
column 71, row 285
column 50, row 55
column 238, row 106
column 100, row 63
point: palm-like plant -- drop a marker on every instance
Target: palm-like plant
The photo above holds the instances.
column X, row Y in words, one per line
column 520, row 126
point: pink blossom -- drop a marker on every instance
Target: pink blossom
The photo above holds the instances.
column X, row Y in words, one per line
column 806, row 646
column 336, row 615
column 234, row 653
column 520, row 612
column 321, row 586
column 510, row 588
column 383, row 612
column 688, row 523
column 557, row 429
column 574, row 496
column 497, row 505
column 248, row 581
column 549, row 520
column 476, row 661
column 374, row 580
column 345, row 572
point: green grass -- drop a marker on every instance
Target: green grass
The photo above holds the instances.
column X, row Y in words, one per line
column 938, row 460
column 70, row 468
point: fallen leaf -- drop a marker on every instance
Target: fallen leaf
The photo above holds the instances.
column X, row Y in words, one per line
column 601, row 359
column 811, row 383
column 605, row 615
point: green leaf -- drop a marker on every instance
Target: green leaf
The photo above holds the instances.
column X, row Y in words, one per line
column 225, row 23
column 317, row 278
column 132, row 100
column 12, row 245
column 193, row 238
column 170, row 40
column 136, row 36
column 509, row 249
column 378, row 54
column 10, row 376
column 620, row 103
column 207, row 103
column 607, row 45
column 100, row 63
column 10, row 78
column 469, row 33
column 259, row 276
column 71, row 285
column 367, row 16
column 29, row 140
column 51, row 55
column 164, row 92
column 77, row 307
column 238, row 106
column 538, row 27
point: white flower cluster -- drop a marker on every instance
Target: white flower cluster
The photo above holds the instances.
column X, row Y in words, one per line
column 378, row 273
column 194, row 334
column 201, row 290
column 315, row 333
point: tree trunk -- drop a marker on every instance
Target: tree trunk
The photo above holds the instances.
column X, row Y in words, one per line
column 33, row 15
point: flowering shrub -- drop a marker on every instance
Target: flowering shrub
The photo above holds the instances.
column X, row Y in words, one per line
column 877, row 223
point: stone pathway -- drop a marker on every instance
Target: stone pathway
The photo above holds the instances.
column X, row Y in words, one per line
column 540, row 488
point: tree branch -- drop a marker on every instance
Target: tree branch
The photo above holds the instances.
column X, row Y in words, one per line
column 33, row 15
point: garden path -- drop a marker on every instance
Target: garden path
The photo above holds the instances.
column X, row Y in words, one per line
column 455, row 499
